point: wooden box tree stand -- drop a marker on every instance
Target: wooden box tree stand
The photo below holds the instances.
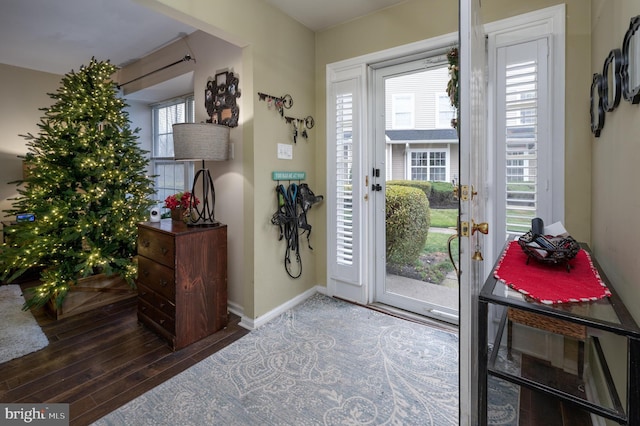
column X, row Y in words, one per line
column 91, row 293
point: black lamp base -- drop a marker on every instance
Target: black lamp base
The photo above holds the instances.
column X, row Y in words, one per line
column 202, row 214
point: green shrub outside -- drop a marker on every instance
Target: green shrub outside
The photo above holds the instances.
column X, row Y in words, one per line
column 439, row 194
column 423, row 185
column 442, row 196
column 407, row 218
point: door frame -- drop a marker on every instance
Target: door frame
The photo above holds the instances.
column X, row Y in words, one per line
column 473, row 160
column 360, row 68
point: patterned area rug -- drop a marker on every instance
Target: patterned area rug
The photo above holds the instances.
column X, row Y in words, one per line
column 20, row 333
column 324, row 362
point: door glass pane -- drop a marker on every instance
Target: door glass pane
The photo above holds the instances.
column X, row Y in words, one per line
column 418, row 275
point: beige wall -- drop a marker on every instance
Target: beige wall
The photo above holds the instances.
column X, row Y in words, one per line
column 615, row 159
column 23, row 93
column 277, row 58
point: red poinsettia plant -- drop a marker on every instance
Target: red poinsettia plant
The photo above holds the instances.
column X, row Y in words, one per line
column 180, row 200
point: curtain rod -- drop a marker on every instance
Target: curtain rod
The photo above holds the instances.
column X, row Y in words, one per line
column 186, row 58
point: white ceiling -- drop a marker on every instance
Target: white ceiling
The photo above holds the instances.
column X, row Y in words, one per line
column 61, row 35
column 322, row 14
column 57, row 36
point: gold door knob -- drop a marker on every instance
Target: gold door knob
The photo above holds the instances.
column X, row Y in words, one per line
column 483, row 228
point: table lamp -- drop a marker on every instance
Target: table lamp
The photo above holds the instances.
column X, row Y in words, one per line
column 205, row 142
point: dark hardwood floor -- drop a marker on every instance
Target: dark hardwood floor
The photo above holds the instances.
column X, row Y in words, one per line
column 539, row 409
column 99, row 360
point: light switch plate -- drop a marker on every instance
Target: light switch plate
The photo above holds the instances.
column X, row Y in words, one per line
column 285, row 151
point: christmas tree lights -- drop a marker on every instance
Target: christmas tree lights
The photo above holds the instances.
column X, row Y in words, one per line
column 87, row 187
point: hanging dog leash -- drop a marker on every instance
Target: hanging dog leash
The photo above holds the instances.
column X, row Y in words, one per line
column 291, row 218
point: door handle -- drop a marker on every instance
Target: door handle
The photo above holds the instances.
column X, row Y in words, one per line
column 451, row 238
column 482, row 227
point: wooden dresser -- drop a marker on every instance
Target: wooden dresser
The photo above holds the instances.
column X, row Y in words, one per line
column 182, row 280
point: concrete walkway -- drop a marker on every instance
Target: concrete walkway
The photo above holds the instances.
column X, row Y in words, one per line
column 444, row 294
column 438, row 294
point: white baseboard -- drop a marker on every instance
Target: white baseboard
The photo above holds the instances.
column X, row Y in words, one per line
column 234, row 308
column 252, row 324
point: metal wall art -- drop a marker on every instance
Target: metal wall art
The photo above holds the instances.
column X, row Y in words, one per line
column 620, row 77
column 299, row 126
column 220, row 99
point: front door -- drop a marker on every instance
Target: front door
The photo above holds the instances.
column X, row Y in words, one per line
column 414, row 148
column 473, row 113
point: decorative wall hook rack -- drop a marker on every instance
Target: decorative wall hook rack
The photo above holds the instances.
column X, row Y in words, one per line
column 299, row 125
column 279, row 102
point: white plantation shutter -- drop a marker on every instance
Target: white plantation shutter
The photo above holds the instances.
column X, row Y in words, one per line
column 344, row 179
column 523, row 138
column 344, row 184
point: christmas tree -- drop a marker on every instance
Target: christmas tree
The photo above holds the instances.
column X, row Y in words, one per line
column 86, row 185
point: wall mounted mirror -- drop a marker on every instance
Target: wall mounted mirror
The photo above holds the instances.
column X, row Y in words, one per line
column 631, row 62
column 612, row 80
column 596, row 110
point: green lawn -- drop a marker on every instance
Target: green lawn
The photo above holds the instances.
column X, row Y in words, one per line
column 444, row 218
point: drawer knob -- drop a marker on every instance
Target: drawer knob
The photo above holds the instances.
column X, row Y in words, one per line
column 162, row 304
column 145, row 272
column 145, row 243
column 163, row 283
column 164, row 250
column 143, row 308
column 161, row 321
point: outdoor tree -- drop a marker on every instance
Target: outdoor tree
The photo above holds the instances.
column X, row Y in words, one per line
column 86, row 184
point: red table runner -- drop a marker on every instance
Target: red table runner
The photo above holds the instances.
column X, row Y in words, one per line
column 551, row 284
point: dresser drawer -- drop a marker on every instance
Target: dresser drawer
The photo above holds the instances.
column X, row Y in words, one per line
column 157, row 246
column 165, row 321
column 157, row 278
column 159, row 302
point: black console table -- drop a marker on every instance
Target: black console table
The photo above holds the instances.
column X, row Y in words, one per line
column 607, row 315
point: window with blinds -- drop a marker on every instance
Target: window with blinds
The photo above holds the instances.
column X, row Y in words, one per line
column 522, row 110
column 170, row 176
column 521, row 147
column 344, row 178
column 344, row 182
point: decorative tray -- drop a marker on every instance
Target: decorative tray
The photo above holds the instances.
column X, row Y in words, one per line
column 549, row 249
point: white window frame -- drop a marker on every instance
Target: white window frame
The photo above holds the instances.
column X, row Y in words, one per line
column 340, row 283
column 429, row 151
column 399, row 100
column 163, row 160
column 439, row 111
column 549, row 22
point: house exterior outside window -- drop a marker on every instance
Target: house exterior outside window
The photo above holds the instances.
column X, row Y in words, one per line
column 444, row 110
column 420, row 140
column 428, row 165
column 403, row 111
